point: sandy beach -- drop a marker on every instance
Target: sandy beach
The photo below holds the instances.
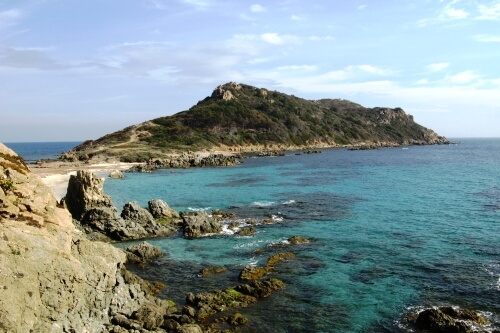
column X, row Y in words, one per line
column 55, row 174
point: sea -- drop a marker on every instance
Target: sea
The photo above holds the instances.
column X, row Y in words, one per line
column 392, row 231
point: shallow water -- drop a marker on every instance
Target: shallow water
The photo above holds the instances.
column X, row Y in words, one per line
column 392, row 230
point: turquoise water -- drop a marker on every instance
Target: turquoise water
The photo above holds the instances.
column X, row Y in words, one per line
column 393, row 230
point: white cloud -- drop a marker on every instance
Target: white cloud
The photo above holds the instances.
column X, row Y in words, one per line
column 448, row 13
column 436, row 67
column 277, row 39
column 296, row 18
column 34, row 58
column 455, row 13
column 304, row 68
column 10, row 17
column 10, row 14
column 487, row 38
column 320, row 38
column 489, row 12
column 156, row 4
column 463, row 77
column 257, row 8
column 199, row 4
column 362, row 7
column 370, row 69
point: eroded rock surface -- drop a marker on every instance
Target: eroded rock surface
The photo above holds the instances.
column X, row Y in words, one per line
column 53, row 279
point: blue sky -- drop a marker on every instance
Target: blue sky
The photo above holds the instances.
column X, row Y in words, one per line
column 73, row 70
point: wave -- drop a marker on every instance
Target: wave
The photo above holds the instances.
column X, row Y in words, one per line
column 199, row 209
column 289, row 202
column 263, row 203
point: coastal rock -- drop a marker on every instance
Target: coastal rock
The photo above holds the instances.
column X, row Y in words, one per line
column 246, row 231
column 116, row 174
column 160, row 210
column 95, row 213
column 143, row 252
column 200, row 223
column 212, row 270
column 251, row 273
column 295, row 240
column 133, row 212
column 85, row 191
column 56, row 280
column 206, row 305
column 448, row 319
column 237, row 319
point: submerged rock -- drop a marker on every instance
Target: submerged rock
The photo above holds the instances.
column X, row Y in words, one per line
column 212, row 270
column 204, row 305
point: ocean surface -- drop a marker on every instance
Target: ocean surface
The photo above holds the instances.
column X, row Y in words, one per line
column 392, row 231
column 34, row 151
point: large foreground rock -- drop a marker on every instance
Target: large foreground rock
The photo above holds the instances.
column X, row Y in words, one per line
column 98, row 217
column 55, row 280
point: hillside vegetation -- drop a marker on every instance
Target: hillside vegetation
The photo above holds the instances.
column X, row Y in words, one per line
column 239, row 117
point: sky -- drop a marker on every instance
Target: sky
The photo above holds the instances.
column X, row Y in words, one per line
column 72, row 70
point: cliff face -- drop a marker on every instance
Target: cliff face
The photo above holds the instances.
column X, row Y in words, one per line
column 239, row 117
column 52, row 278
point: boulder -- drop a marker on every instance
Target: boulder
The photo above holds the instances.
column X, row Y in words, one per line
column 116, row 174
column 205, row 305
column 85, row 191
column 250, row 273
column 133, row 212
column 212, row 270
column 200, row 223
column 246, row 231
column 143, row 252
column 95, row 212
column 448, row 320
column 160, row 210
column 298, row 240
column 237, row 319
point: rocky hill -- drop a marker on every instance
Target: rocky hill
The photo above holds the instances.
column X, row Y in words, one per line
column 239, row 117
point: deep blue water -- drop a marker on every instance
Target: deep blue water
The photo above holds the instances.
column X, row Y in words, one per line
column 392, row 230
column 34, row 151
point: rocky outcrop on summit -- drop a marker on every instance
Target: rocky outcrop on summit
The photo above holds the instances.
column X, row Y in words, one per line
column 96, row 215
column 56, row 280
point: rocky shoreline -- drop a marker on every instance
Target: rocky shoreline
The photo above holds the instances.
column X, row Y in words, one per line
column 56, row 276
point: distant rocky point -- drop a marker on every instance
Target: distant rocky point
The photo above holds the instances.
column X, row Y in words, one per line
column 238, row 118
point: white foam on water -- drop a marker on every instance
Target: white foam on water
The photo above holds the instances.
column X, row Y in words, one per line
column 263, row 203
column 277, row 218
column 289, row 202
column 199, row 209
